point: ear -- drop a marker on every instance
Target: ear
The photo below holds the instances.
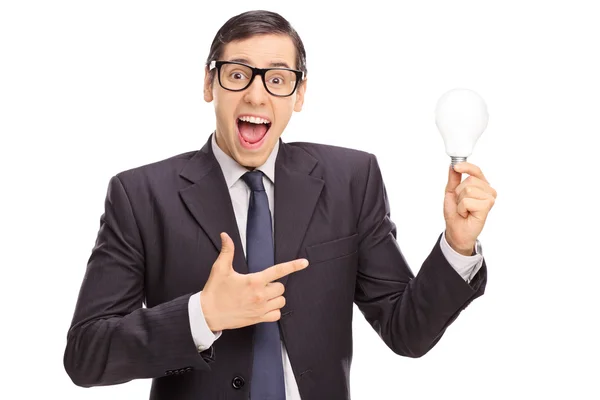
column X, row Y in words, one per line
column 300, row 95
column 208, row 86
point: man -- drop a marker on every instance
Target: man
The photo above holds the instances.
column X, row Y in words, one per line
column 217, row 242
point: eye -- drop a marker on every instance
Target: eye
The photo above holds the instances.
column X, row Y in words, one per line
column 277, row 80
column 237, row 75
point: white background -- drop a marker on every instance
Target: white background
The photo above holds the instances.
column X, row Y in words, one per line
column 88, row 89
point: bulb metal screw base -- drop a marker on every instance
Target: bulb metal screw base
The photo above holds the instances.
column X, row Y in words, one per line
column 456, row 160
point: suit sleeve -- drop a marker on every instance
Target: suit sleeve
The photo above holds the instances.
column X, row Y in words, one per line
column 409, row 313
column 112, row 338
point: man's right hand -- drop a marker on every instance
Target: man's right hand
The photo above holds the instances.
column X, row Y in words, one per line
column 231, row 300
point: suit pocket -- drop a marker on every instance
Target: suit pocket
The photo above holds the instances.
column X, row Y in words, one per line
column 333, row 249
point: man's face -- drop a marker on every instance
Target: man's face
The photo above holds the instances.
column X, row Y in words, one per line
column 247, row 143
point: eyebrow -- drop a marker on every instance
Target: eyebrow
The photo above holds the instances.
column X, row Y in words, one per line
column 278, row 64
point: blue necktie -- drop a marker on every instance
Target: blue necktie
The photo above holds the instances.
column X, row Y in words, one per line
column 267, row 370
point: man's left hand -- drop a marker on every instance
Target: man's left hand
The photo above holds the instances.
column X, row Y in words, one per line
column 466, row 206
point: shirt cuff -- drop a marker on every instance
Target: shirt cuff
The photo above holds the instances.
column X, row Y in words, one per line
column 201, row 333
column 465, row 266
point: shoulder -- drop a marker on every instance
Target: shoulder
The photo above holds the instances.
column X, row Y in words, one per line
column 346, row 171
column 335, row 157
column 158, row 173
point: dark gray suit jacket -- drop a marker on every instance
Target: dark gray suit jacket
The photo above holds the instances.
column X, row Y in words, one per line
column 159, row 236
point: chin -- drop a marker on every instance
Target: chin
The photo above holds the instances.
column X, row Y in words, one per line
column 252, row 161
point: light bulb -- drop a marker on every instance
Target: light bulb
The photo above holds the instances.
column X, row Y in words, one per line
column 461, row 117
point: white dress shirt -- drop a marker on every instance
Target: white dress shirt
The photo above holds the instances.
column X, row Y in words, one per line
column 466, row 266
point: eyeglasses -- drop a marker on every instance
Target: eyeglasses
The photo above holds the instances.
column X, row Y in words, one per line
column 236, row 76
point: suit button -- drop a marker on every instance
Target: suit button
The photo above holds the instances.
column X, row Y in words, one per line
column 238, row 382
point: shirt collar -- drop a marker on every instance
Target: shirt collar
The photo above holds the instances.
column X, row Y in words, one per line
column 232, row 171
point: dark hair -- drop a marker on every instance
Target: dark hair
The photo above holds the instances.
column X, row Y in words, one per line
column 251, row 23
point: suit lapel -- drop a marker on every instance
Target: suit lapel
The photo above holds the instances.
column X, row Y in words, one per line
column 209, row 202
column 296, row 195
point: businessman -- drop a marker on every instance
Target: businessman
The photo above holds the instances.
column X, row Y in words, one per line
column 249, row 253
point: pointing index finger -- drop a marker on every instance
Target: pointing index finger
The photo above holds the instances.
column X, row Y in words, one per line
column 280, row 270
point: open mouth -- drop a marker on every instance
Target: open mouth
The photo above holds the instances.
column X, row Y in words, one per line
column 252, row 130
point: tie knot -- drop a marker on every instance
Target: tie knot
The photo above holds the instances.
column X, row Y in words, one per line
column 254, row 180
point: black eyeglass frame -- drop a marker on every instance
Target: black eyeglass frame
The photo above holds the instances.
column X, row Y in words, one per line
column 256, row 71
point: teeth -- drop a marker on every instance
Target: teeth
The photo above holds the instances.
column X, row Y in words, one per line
column 254, row 120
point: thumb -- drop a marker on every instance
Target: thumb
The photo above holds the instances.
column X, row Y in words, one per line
column 225, row 259
column 454, row 179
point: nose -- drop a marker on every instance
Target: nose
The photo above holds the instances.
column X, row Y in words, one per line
column 256, row 93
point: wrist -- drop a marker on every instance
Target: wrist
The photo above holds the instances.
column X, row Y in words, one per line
column 467, row 253
column 463, row 250
column 207, row 311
